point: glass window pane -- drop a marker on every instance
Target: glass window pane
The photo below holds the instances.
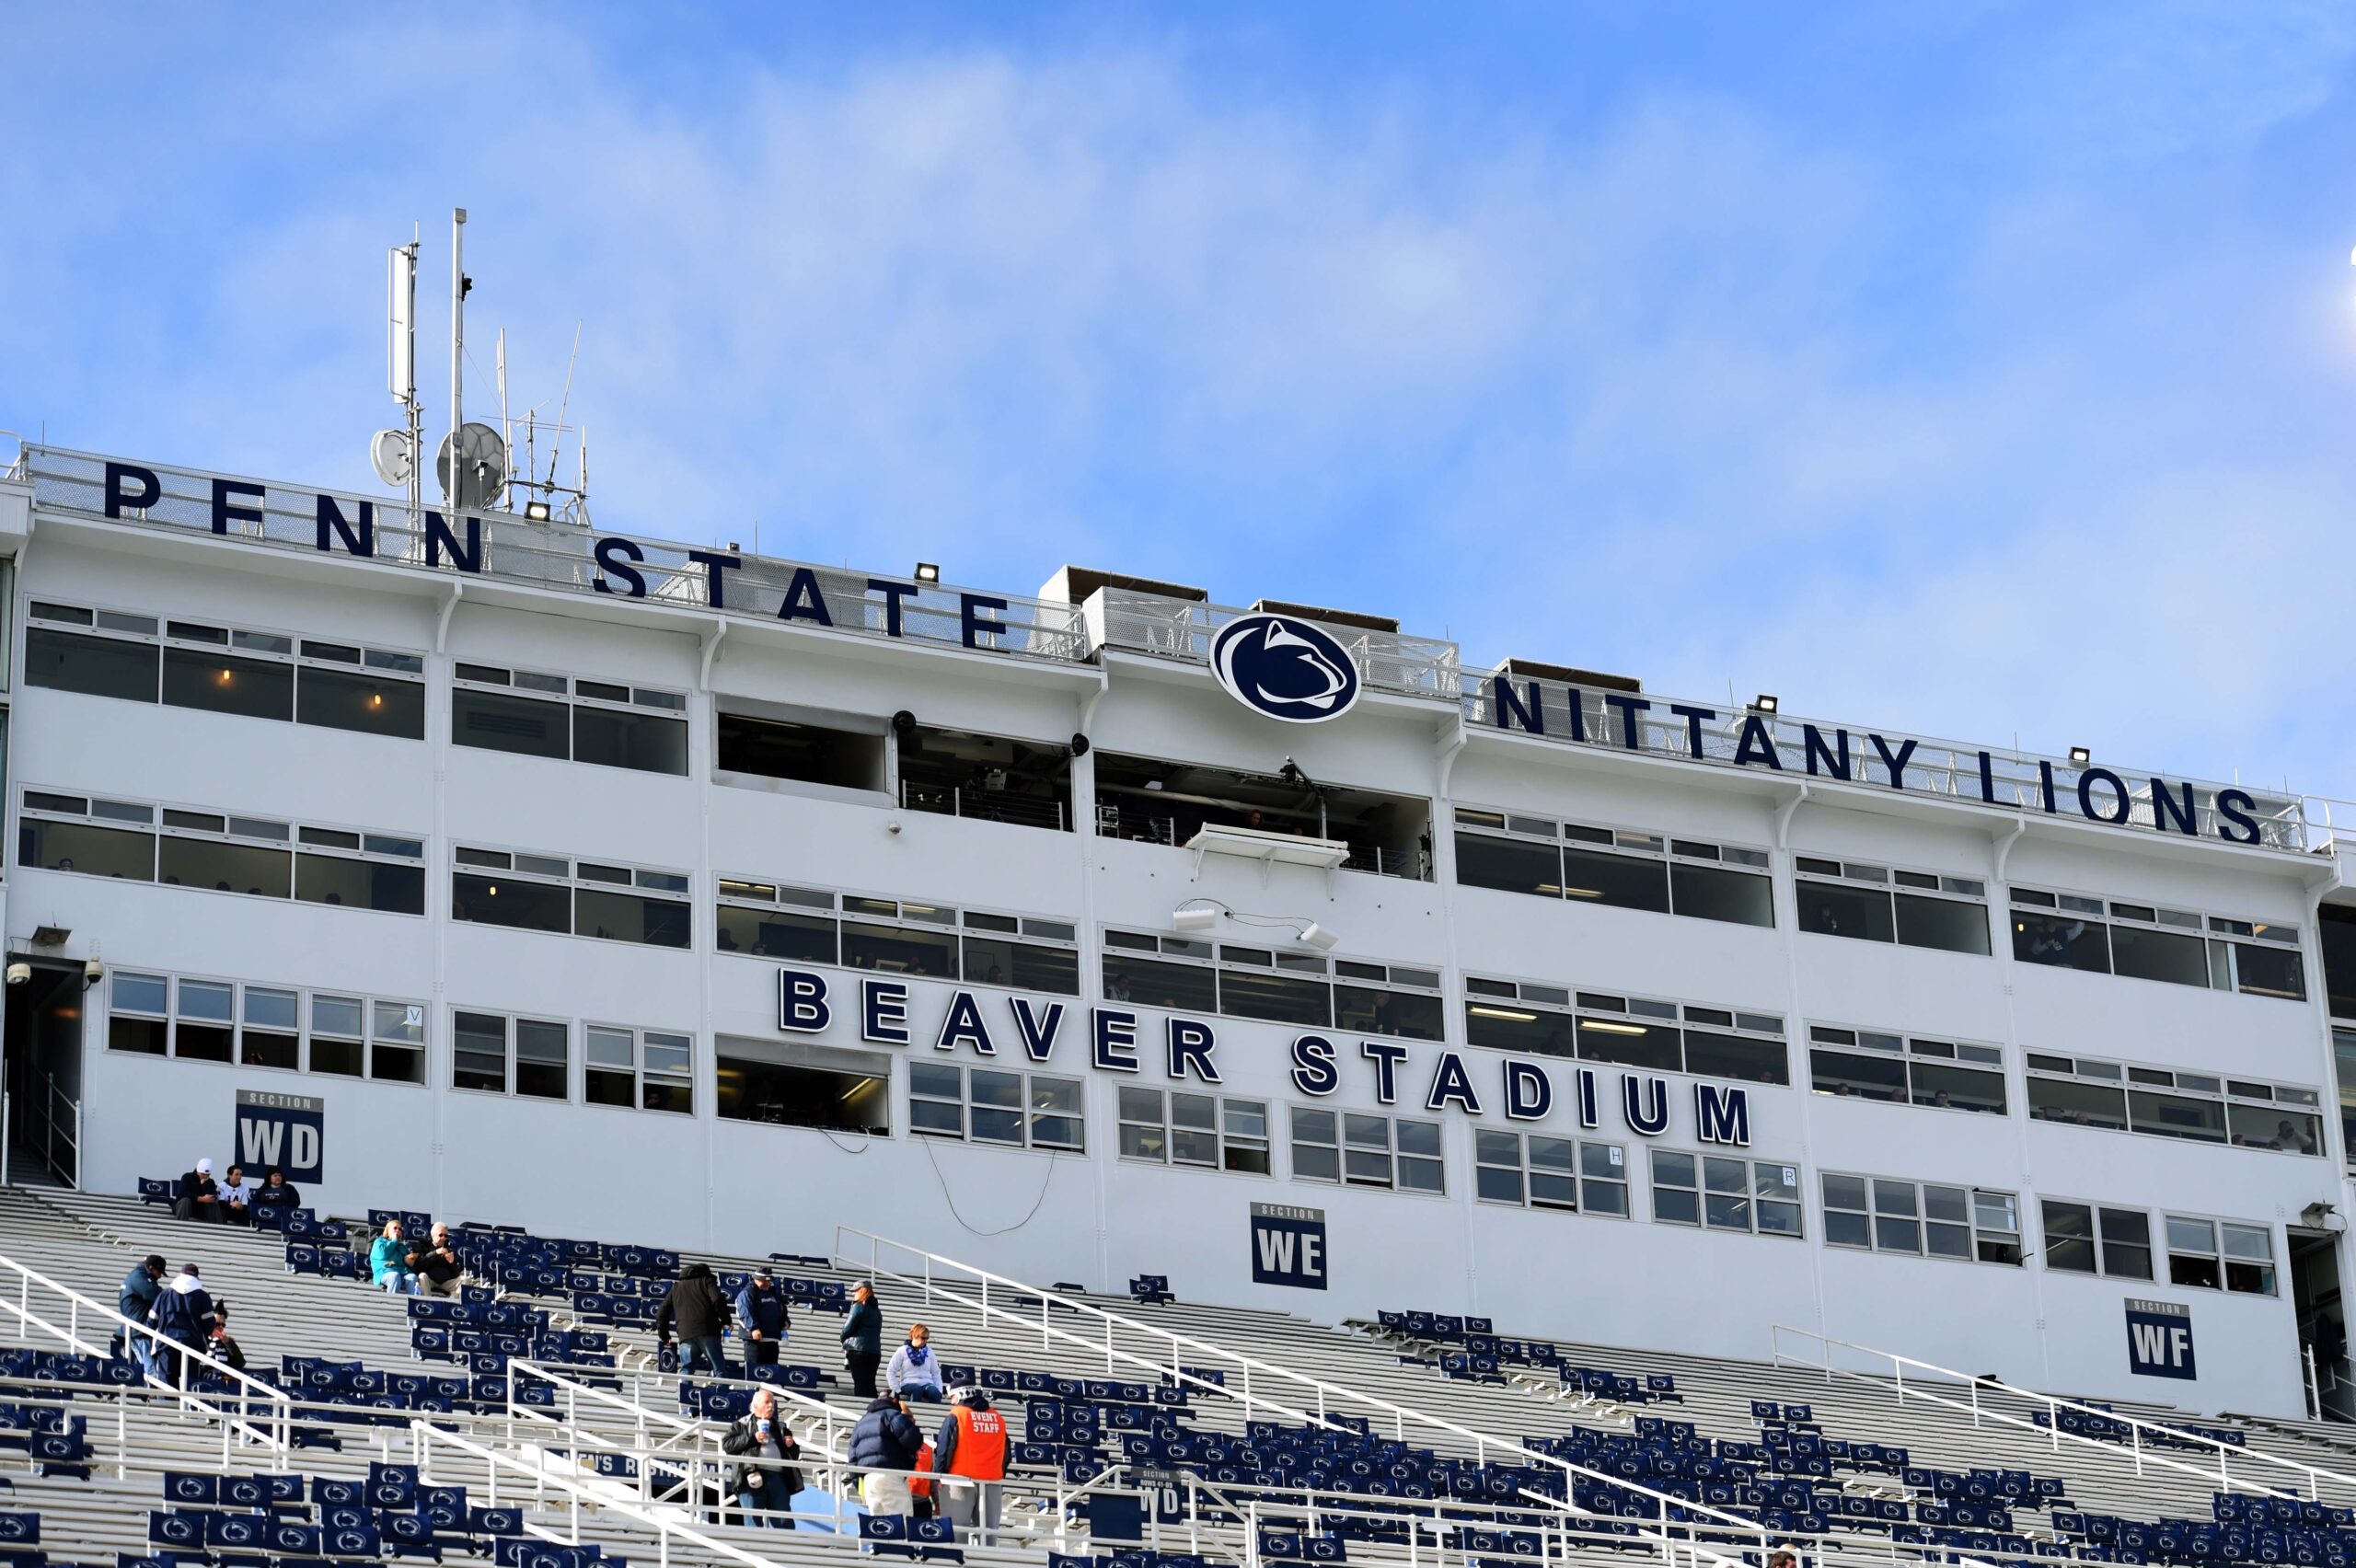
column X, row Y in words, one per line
column 226, row 868
column 1958, row 1089
column 1500, row 1025
column 207, row 1001
column 93, row 851
column 1731, row 1056
column 96, row 667
column 478, row 1052
column 1846, row 1075
column 1497, row 1184
column 1942, row 923
column 503, row 901
column 1673, row 1169
column 2060, row 941
column 765, row 934
column 2267, row 1127
column 993, row 961
column 1709, row 894
column 1654, row 1047
column 366, row 703
column 498, row 721
column 2159, row 955
column 2069, row 1238
column 1509, row 865
column 2176, row 1115
column 1830, row 909
column 645, row 742
column 1624, row 882
column 359, row 884
column 402, row 1022
column 1279, row 998
column 2271, row 971
column 267, row 1008
column 1843, row 1228
column 540, row 1051
column 140, row 993
column 630, row 917
column 2084, row 1104
column 1408, row 1014
column 1178, row 986
column 223, row 683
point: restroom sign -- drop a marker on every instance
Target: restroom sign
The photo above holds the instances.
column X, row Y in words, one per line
column 2159, row 1339
column 1288, row 1246
column 288, row 1131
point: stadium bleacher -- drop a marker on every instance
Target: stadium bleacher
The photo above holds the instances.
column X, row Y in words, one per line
column 534, row 1421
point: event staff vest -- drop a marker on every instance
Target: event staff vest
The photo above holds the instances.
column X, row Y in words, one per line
column 981, row 1444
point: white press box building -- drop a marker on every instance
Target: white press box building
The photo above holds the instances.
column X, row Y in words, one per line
column 517, row 871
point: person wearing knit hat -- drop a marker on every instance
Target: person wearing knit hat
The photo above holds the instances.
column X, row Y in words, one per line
column 200, row 1196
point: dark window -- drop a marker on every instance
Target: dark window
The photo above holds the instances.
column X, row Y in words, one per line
column 1621, row 880
column 145, row 1035
column 1631, row 1045
column 2083, row 1104
column 2143, row 955
column 2060, row 941
column 1404, row 1014
column 1942, row 923
column 994, row 961
column 366, row 703
column 2126, row 1243
column 226, row 868
column 2337, row 937
column 96, row 667
column 359, row 884
column 1503, row 1026
column 897, row 950
column 497, row 721
column 1280, row 999
column 790, row 1095
column 540, row 1059
column 1710, row 894
column 2271, row 971
column 1958, row 1089
column 1509, row 865
column 630, row 917
column 478, row 1052
column 2176, row 1115
column 1857, row 1076
column 2069, row 1237
column 647, row 742
column 498, row 901
column 1832, row 910
column 1179, row 986
column 222, row 682
column 812, row 752
column 1731, row 1055
column 765, row 934
column 2268, row 1126
column 93, row 851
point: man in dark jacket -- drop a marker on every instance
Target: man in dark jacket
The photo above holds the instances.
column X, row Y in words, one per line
column 136, row 1302
column 760, row 1318
column 697, row 1312
column 200, row 1195
column 768, row 1478
column 886, row 1439
column 184, row 1315
column 862, row 1338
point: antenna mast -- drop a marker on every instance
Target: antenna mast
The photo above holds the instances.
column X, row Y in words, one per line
column 457, row 354
column 401, row 361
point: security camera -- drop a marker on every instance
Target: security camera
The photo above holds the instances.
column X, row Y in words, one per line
column 904, row 723
column 93, row 971
column 20, row 973
column 1078, row 746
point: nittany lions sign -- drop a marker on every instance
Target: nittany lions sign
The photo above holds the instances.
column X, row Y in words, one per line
column 1285, row 669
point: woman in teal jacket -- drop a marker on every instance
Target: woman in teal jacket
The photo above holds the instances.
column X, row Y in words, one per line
column 389, row 1261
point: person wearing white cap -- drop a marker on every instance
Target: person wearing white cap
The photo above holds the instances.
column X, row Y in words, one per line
column 199, row 1198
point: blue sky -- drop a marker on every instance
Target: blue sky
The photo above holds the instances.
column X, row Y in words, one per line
column 1984, row 370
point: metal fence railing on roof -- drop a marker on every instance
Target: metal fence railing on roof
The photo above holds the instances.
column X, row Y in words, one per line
column 560, row 557
column 1181, row 630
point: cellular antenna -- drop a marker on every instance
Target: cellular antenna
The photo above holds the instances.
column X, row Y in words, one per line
column 393, row 453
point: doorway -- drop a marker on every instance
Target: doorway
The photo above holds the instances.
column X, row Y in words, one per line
column 43, row 1071
column 2322, row 1323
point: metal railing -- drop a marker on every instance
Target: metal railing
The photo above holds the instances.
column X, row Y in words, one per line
column 1182, row 630
column 251, row 1409
column 57, row 1117
column 1182, row 1360
column 2146, row 1441
column 985, row 805
column 556, row 556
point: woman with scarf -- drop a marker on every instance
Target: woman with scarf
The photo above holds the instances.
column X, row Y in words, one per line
column 915, row 1372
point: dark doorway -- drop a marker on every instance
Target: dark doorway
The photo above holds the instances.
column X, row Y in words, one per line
column 44, row 1075
column 2322, row 1323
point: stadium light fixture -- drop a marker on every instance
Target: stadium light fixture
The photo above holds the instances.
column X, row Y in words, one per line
column 1766, row 702
column 928, row 571
column 2079, row 757
column 536, row 510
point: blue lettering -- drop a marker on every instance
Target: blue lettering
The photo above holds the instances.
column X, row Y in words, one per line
column 1038, row 1029
column 1386, row 1058
column 1722, row 1115
column 1644, row 1101
column 2086, row 781
column 438, row 539
column 1836, row 762
column 1450, row 1082
column 1312, row 1065
column 2167, row 810
column 1894, row 761
column 332, row 525
column 963, row 1025
column 1693, row 717
column 1507, row 712
column 1758, row 746
column 1627, row 708
column 2234, row 806
column 883, row 1012
column 1530, row 1093
column 1188, row 1048
column 119, row 500
column 1112, row 1040
column 715, row 566
column 1588, row 1116
column 802, row 600
column 801, row 1002
column 614, row 557
column 223, row 514
column 892, row 594
column 973, row 624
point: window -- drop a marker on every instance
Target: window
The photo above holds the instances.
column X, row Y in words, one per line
column 223, row 669
column 1636, row 1032
column 810, row 753
column 1273, row 984
column 222, row 852
column 199, row 1020
column 1875, row 1214
column 646, row 1068
column 2144, row 941
column 1204, row 1130
column 2343, row 1051
column 586, row 898
column 2336, row 935
column 2084, row 1239
column 1026, row 952
column 1364, row 1150
column 2169, row 1102
column 1611, row 866
column 1865, row 1063
column 639, row 728
column 503, row 1055
column 1165, row 801
column 992, row 777
column 1724, row 1193
column 1540, row 1171
column 796, row 1084
column 1877, row 904
column 995, row 1106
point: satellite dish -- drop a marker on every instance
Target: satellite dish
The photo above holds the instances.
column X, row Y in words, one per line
column 482, row 468
column 391, row 455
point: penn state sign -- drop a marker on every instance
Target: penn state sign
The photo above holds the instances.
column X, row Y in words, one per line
column 1285, row 669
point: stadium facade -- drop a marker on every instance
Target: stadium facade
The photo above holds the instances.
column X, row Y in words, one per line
column 517, row 870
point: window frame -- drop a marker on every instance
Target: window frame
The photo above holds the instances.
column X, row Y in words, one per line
column 306, row 1034
column 489, row 864
column 2098, row 1239
column 1636, row 846
column 641, row 702
column 1039, row 934
column 1226, row 1142
column 1894, row 884
column 2282, row 1100
column 1750, row 1196
column 1933, row 1053
column 2222, row 940
column 1528, row 1002
column 642, row 1076
column 1389, row 1151
column 1979, row 1239
column 294, row 839
column 1488, row 1142
column 1221, row 960
column 1027, row 1109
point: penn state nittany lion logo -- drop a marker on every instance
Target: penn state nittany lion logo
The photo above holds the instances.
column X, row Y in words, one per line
column 1284, row 668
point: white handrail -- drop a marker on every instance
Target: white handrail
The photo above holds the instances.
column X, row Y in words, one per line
column 1327, row 1394
column 2142, row 1454
column 80, row 1309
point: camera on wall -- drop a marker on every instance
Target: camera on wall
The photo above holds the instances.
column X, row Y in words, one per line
column 20, row 973
column 93, row 971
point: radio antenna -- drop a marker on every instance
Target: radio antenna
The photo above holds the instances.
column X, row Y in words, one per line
column 563, row 408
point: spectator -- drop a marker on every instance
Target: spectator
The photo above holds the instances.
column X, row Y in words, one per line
column 970, row 1449
column 697, row 1311
column 136, row 1302
column 760, row 1318
column 277, row 1192
column 183, row 1316
column 862, row 1337
column 223, row 1348
column 767, row 1479
column 915, row 1372
column 200, row 1195
column 436, row 1264
column 389, row 1261
column 886, row 1440
column 235, row 1195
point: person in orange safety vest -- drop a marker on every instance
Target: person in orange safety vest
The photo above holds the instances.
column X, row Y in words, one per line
column 969, row 1453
